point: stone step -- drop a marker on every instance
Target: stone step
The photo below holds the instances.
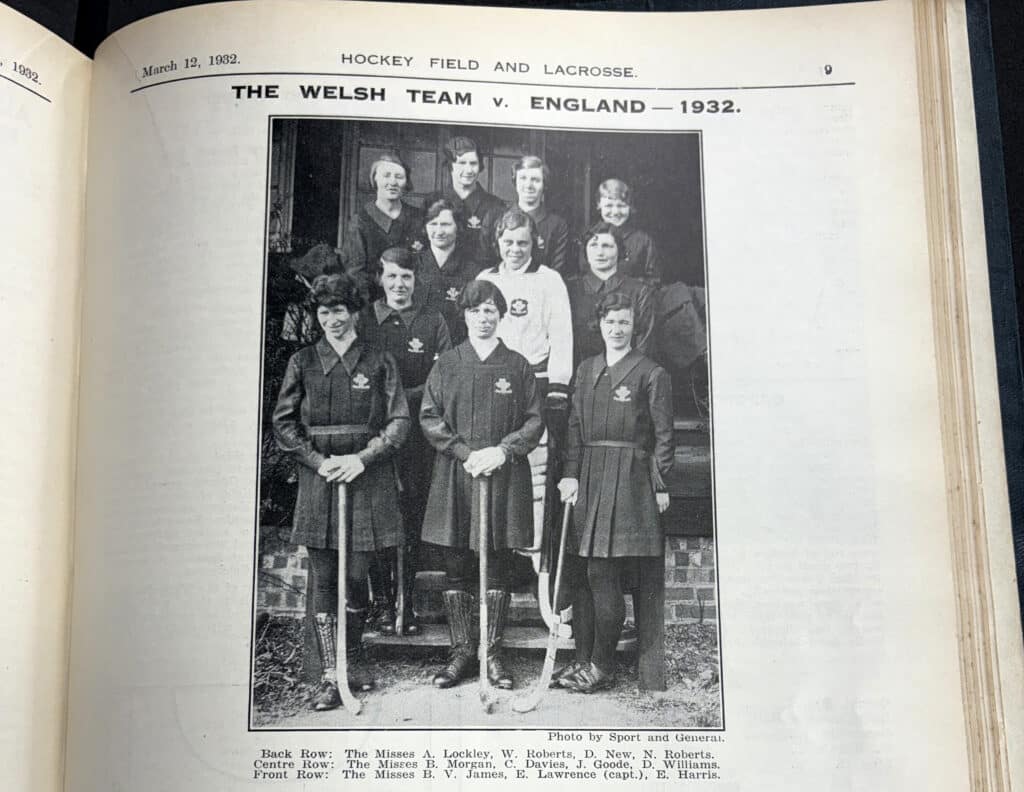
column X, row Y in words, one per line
column 516, row 637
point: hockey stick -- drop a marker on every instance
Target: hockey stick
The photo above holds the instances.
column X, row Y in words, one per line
column 487, row 698
column 529, row 702
column 350, row 702
column 400, row 588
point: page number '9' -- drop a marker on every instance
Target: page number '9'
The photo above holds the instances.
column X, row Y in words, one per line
column 827, row 68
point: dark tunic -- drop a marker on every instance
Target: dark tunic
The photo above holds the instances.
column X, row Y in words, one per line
column 627, row 411
column 475, row 209
column 372, row 232
column 415, row 338
column 438, row 288
column 638, row 260
column 469, row 404
column 585, row 291
column 319, row 394
column 552, row 248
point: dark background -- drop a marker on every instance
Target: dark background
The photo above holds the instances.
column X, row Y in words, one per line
column 997, row 38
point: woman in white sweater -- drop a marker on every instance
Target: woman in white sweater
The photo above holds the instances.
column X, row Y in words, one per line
column 538, row 324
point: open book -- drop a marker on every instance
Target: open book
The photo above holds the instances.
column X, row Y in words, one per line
column 789, row 565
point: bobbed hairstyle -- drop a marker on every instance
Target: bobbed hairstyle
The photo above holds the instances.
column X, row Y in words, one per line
column 511, row 220
column 330, row 291
column 616, row 189
column 400, row 257
column 434, row 208
column 531, row 161
column 601, row 227
column 613, row 301
column 394, row 157
column 477, row 292
column 459, row 145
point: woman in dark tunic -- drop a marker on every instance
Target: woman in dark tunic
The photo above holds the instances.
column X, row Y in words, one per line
column 638, row 257
column 467, row 196
column 619, row 450
column 531, row 175
column 603, row 246
column 446, row 265
column 414, row 335
column 386, row 222
column 342, row 415
column 481, row 412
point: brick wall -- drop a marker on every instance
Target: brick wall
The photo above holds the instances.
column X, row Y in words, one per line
column 689, row 579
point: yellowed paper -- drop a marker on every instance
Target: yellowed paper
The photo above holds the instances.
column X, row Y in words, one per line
column 44, row 87
column 839, row 651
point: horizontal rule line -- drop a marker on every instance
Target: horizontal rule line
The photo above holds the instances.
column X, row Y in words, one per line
column 497, row 82
column 36, row 93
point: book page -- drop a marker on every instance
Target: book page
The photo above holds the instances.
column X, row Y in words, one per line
column 44, row 92
column 754, row 181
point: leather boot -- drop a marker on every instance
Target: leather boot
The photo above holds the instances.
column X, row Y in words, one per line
column 325, row 628
column 410, row 626
column 359, row 677
column 381, row 618
column 462, row 661
column 497, row 614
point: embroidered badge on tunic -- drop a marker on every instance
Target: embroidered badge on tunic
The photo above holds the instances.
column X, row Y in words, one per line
column 503, row 386
column 540, row 243
column 415, row 345
column 360, row 382
column 519, row 307
column 416, row 246
column 452, row 295
column 474, row 222
column 622, row 394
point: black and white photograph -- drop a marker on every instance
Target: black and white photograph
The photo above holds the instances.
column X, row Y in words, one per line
column 485, row 457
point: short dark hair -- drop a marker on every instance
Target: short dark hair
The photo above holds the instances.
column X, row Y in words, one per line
column 434, row 208
column 337, row 289
column 393, row 157
column 602, row 227
column 511, row 220
column 480, row 291
column 614, row 301
column 459, row 145
column 400, row 256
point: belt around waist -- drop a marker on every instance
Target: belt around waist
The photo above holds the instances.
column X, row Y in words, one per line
column 339, row 429
column 613, row 444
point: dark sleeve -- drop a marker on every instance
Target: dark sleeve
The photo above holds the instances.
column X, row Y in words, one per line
column 353, row 253
column 396, row 428
column 523, row 440
column 289, row 431
column 574, row 437
column 558, row 248
column 645, row 321
column 443, row 339
column 652, row 264
column 659, row 401
column 433, row 421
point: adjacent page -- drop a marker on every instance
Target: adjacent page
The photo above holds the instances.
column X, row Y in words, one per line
column 44, row 94
column 777, row 161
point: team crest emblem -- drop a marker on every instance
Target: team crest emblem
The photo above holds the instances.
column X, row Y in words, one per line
column 452, row 295
column 622, row 394
column 416, row 246
column 503, row 386
column 540, row 243
column 360, row 382
column 519, row 307
column 415, row 345
column 474, row 222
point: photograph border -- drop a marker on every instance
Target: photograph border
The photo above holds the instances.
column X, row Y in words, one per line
column 271, row 119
